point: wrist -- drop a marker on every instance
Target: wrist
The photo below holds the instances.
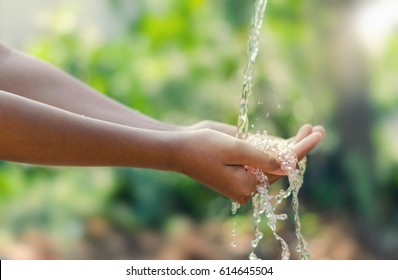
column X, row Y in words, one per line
column 180, row 150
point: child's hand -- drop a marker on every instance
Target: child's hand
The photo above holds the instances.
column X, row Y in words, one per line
column 219, row 160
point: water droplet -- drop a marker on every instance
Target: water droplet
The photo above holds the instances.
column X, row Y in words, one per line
column 234, row 207
column 253, row 256
column 282, row 217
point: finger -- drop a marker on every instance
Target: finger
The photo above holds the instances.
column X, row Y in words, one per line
column 246, row 183
column 244, row 199
column 303, row 132
column 307, row 144
column 320, row 129
column 224, row 128
column 250, row 156
column 273, row 178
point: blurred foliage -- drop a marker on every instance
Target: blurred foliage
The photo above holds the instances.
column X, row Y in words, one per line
column 181, row 62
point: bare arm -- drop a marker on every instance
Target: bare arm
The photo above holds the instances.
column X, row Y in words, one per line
column 37, row 80
column 33, row 132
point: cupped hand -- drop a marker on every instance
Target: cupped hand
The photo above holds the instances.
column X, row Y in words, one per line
column 220, row 161
column 306, row 139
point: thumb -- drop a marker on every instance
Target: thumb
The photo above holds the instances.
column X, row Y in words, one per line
column 265, row 160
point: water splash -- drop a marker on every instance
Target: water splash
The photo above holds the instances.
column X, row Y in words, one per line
column 264, row 203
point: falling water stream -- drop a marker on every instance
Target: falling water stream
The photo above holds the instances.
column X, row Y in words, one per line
column 252, row 51
column 264, row 203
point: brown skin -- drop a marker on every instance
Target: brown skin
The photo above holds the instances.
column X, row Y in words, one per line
column 49, row 118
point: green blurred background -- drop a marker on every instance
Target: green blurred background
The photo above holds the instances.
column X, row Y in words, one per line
column 329, row 62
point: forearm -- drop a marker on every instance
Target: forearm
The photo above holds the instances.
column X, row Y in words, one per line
column 37, row 80
column 32, row 132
